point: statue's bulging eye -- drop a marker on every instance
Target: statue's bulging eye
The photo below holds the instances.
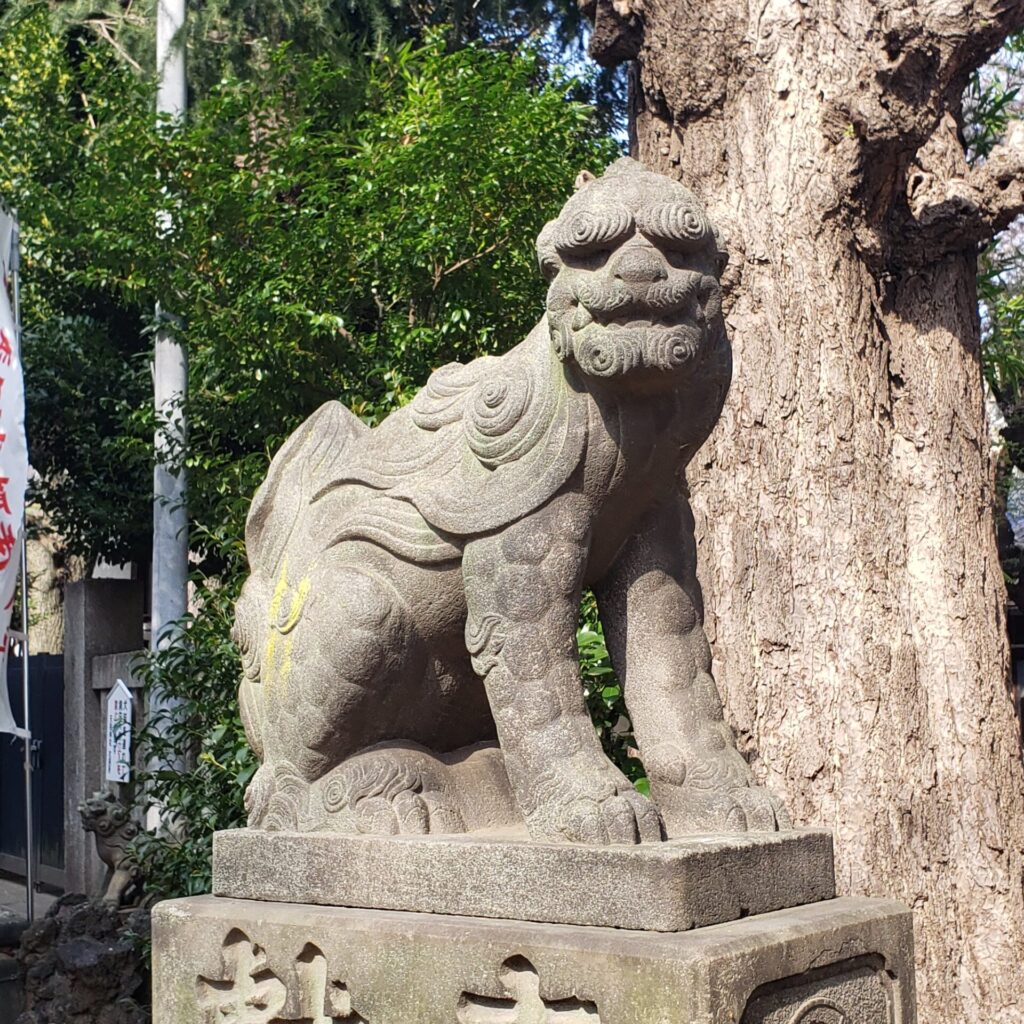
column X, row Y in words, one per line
column 587, row 231
column 677, row 224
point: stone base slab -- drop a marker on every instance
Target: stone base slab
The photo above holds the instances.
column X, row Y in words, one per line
column 227, row 961
column 670, row 886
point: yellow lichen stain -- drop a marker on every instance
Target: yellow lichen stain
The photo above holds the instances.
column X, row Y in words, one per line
column 298, row 600
column 275, row 607
column 278, row 670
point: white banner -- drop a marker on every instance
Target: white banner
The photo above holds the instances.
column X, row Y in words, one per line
column 13, row 455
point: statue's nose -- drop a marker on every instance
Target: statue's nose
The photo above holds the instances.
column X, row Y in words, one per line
column 640, row 265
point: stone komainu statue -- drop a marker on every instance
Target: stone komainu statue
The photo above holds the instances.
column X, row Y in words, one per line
column 408, row 630
column 111, row 822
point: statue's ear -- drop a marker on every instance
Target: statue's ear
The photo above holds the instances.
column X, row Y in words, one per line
column 547, row 254
column 584, row 178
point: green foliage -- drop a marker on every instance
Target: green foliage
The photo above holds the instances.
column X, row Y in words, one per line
column 200, row 672
column 1000, row 291
column 991, row 101
column 224, row 38
column 235, row 39
column 337, row 233
column 605, row 700
column 348, row 264
column 66, row 128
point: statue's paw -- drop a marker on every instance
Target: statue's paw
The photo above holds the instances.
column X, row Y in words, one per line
column 609, row 814
column 690, row 810
column 765, row 811
column 710, row 789
column 627, row 817
column 405, row 814
column 257, row 795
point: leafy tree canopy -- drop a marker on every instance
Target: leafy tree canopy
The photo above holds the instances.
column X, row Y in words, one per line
column 236, row 38
column 992, row 100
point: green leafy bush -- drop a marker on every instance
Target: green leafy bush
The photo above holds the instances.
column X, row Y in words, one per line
column 604, row 696
column 77, row 137
column 991, row 101
column 200, row 673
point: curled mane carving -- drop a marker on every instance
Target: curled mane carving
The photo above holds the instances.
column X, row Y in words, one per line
column 482, row 445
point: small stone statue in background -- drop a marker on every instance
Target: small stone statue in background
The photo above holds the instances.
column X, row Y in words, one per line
column 105, row 815
column 415, row 587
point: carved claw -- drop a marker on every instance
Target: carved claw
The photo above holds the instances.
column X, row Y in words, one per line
column 624, row 816
column 406, row 814
column 711, row 791
column 764, row 810
column 690, row 810
column 391, row 791
column 276, row 798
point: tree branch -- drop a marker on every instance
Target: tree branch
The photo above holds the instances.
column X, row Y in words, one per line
column 440, row 272
column 956, row 213
column 967, row 34
column 917, row 61
column 616, row 34
column 102, row 26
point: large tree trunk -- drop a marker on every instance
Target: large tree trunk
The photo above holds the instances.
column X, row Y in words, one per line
column 845, row 502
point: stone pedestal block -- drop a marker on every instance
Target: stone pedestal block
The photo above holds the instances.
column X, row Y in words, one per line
column 667, row 887
column 228, row 961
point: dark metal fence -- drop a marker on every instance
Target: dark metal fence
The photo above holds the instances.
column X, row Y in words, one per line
column 46, row 680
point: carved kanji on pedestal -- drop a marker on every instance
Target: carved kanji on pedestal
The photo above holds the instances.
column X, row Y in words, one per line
column 525, row 1005
column 251, row 993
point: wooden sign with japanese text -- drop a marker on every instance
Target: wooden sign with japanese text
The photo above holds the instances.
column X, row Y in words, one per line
column 119, row 733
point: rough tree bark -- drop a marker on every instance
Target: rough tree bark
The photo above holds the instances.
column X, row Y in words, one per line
column 855, row 599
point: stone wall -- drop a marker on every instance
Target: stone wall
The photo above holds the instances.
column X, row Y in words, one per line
column 85, row 963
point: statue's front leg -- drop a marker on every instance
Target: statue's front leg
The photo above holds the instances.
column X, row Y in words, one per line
column 523, row 590
column 119, row 883
column 652, row 613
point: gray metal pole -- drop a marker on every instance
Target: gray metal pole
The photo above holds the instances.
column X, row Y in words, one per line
column 170, row 374
column 30, row 843
column 170, row 386
column 171, row 93
column 170, row 518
